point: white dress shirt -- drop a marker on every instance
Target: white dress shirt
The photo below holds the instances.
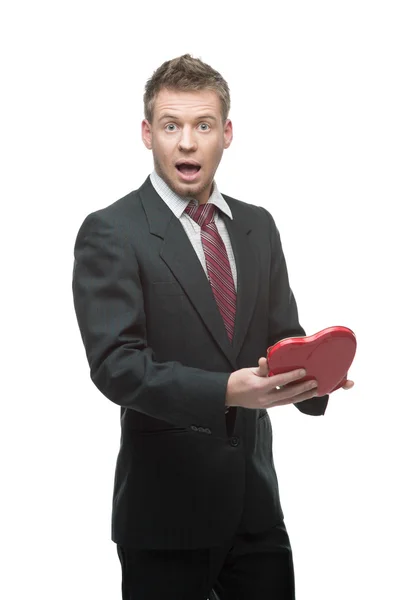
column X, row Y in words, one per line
column 177, row 205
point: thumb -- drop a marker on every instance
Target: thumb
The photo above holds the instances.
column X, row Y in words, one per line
column 263, row 368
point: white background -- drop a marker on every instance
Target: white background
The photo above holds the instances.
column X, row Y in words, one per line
column 315, row 99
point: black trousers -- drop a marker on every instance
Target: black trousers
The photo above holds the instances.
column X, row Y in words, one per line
column 248, row 567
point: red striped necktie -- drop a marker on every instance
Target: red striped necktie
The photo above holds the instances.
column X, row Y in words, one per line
column 217, row 262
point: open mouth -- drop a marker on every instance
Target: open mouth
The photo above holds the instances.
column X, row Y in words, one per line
column 188, row 171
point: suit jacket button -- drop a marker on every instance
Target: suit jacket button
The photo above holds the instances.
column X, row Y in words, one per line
column 235, row 441
column 201, row 429
column 194, row 427
column 207, row 430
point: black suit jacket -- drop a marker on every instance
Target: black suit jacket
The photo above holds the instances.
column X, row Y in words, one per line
column 187, row 475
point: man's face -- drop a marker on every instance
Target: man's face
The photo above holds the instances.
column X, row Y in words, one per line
column 187, row 126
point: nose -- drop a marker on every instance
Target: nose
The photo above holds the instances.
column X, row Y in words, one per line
column 187, row 140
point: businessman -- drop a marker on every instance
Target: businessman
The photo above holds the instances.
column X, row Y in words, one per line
column 178, row 291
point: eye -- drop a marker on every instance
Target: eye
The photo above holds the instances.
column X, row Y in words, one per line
column 170, row 125
column 206, row 125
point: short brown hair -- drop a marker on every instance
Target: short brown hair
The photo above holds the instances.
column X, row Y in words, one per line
column 185, row 74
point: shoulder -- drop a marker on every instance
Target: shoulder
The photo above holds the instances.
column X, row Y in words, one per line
column 119, row 210
column 250, row 214
column 117, row 216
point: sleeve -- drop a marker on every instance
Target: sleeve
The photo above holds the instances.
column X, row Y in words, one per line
column 283, row 312
column 109, row 307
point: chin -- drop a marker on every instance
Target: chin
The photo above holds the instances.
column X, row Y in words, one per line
column 186, row 189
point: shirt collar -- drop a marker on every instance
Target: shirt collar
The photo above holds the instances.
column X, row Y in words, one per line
column 177, row 204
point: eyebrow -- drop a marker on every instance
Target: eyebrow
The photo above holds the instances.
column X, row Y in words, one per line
column 175, row 118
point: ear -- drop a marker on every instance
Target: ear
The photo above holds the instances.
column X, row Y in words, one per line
column 228, row 133
column 146, row 134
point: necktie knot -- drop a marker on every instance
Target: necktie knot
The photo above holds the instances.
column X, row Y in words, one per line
column 202, row 214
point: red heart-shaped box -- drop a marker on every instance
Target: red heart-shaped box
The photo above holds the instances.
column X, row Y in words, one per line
column 326, row 356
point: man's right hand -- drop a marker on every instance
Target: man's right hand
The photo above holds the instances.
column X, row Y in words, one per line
column 252, row 388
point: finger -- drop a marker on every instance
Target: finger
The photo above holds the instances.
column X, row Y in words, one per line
column 298, row 398
column 289, row 393
column 286, row 378
column 348, row 384
column 263, row 369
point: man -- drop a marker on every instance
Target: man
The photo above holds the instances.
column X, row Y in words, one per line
column 178, row 292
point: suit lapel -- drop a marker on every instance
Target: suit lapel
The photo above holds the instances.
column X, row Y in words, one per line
column 247, row 273
column 178, row 253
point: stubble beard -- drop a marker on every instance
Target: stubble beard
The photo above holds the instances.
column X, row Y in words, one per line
column 186, row 191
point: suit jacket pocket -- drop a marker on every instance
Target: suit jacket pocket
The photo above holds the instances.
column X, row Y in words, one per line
column 173, row 431
column 141, row 424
